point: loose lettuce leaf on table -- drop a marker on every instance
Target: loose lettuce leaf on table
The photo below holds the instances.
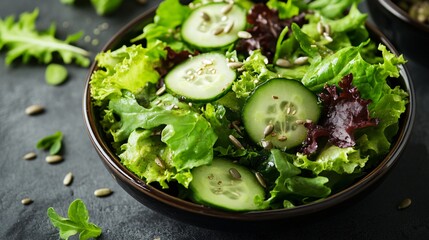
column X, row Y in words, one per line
column 187, row 134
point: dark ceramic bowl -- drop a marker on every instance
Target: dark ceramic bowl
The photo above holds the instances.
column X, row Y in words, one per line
column 409, row 36
column 212, row 218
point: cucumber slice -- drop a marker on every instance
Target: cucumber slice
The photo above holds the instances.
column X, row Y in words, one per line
column 214, row 25
column 213, row 185
column 270, row 114
column 205, row 77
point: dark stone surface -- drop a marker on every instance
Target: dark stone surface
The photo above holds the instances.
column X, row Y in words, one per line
column 121, row 217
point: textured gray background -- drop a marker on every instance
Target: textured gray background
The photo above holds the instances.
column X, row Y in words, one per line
column 122, row 217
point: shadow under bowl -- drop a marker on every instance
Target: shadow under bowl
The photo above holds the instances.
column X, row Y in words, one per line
column 409, row 36
column 203, row 216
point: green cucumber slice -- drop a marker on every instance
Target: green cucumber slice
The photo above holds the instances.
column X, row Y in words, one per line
column 273, row 112
column 205, row 77
column 213, row 25
column 213, row 185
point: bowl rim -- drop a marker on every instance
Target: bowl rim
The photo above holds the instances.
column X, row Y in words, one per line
column 395, row 10
column 112, row 162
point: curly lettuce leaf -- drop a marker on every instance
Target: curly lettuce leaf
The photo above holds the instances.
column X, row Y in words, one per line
column 289, row 186
column 331, row 8
column 23, row 40
column 127, row 68
column 332, row 158
column 139, row 155
column 255, row 72
column 285, row 9
column 187, row 134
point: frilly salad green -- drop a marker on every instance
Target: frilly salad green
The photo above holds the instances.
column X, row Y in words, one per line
column 245, row 106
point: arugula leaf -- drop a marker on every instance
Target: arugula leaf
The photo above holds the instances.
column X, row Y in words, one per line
column 55, row 74
column 104, row 7
column 23, row 40
column 53, row 142
column 78, row 222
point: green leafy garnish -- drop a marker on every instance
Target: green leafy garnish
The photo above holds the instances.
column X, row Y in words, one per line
column 22, row 39
column 78, row 222
column 55, row 74
column 52, row 142
column 104, row 7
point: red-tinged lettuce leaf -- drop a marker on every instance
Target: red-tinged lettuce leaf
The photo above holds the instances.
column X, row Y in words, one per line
column 345, row 112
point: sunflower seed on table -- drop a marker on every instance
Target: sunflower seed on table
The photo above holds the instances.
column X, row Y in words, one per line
column 404, row 203
column 103, row 192
column 34, row 109
column 54, row 158
column 68, row 179
column 29, row 156
column 26, row 201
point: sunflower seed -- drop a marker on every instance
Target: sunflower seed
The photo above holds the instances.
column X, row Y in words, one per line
column 261, row 179
column 404, row 204
column 34, row 109
column 301, row 60
column 235, row 173
column 281, row 62
column 236, row 127
column 282, row 138
column 160, row 162
column 235, row 65
column 29, row 156
column 102, row 192
column 299, row 121
column 227, row 9
column 266, row 145
column 268, row 129
column 68, row 179
column 327, row 37
column 235, row 142
column 26, row 201
column 205, row 16
column 54, row 159
column 327, row 29
column 228, row 27
column 320, row 28
column 244, row 34
column 218, row 31
column 161, row 90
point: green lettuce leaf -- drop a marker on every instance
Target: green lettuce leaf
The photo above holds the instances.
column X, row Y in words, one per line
column 255, row 72
column 127, row 68
column 331, row 8
column 183, row 128
column 139, row 155
column 333, row 158
column 292, row 187
column 285, row 9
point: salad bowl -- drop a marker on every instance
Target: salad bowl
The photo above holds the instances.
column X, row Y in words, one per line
column 166, row 201
column 410, row 36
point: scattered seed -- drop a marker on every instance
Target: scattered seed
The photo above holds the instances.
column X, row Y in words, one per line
column 268, row 129
column 275, row 97
column 160, row 162
column 54, row 159
column 218, row 31
column 68, row 179
column 34, row 109
column 236, row 127
column 320, row 28
column 96, row 31
column 308, row 121
column 281, row 62
column 327, row 29
column 282, row 138
column 299, row 121
column 29, row 156
column 260, row 179
column 288, row 110
column 87, row 38
column 205, row 16
column 301, row 60
column 235, row 142
column 102, row 192
column 327, row 37
column 228, row 27
column 404, row 204
column 161, row 90
column 235, row 173
column 226, row 9
column 95, row 42
column 235, row 65
column 207, row 62
column 266, row 144
column 293, row 112
column 26, row 201
column 244, row 34
column 190, row 104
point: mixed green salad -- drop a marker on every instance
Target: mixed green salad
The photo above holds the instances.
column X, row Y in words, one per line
column 250, row 106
